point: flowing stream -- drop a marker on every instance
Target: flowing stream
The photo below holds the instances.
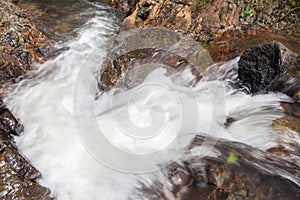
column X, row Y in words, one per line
column 84, row 146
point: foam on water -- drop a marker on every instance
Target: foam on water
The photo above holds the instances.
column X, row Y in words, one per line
column 53, row 138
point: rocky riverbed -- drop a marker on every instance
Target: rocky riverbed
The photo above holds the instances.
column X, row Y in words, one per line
column 227, row 29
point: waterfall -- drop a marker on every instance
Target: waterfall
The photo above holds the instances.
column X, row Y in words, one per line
column 101, row 148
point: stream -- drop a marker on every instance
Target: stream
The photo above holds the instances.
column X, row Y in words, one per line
column 93, row 145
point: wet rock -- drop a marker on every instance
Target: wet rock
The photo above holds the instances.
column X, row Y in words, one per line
column 13, row 1
column 17, row 175
column 18, row 163
column 232, row 43
column 124, row 5
column 230, row 170
column 57, row 18
column 21, row 43
column 290, row 122
column 175, row 15
column 260, row 66
column 135, row 53
column 13, row 183
column 9, row 124
column 122, row 67
column 270, row 67
column 282, row 151
column 291, row 109
column 224, row 27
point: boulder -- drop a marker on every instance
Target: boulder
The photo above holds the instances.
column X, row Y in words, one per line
column 260, row 66
column 135, row 53
column 270, row 67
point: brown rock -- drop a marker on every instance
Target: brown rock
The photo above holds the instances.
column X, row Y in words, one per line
column 238, row 172
column 232, row 43
column 207, row 21
column 291, row 109
column 126, row 63
column 9, row 124
column 175, row 15
column 17, row 175
column 21, row 42
column 290, row 122
column 14, row 184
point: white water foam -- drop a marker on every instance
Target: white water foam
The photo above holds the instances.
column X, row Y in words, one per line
column 51, row 141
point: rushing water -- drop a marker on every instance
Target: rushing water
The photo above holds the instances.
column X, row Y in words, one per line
column 61, row 117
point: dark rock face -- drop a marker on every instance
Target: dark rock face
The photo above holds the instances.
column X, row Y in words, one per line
column 238, row 172
column 260, row 66
column 270, row 67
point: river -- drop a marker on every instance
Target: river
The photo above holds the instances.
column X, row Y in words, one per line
column 89, row 148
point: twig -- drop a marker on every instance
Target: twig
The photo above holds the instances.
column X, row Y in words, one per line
column 281, row 18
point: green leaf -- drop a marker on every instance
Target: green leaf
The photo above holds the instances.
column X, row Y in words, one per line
column 232, row 158
column 248, row 13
